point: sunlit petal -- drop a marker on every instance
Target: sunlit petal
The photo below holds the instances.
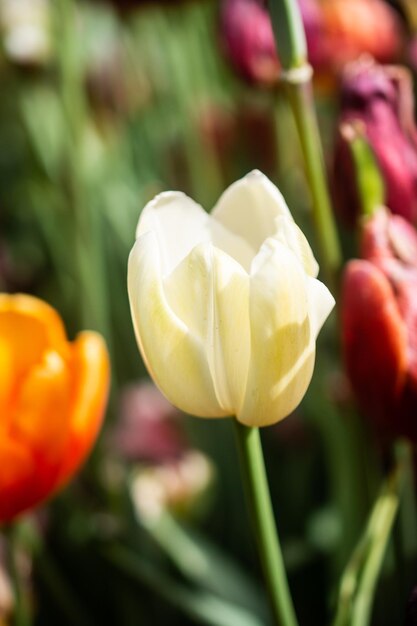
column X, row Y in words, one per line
column 174, row 355
column 209, row 292
column 282, row 344
column 250, row 207
column 288, row 233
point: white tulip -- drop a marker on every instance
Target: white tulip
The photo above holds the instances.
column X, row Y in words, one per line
column 227, row 307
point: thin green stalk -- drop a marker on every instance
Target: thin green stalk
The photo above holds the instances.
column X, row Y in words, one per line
column 296, row 75
column 366, row 591
column 358, row 584
column 259, row 503
column 22, row 613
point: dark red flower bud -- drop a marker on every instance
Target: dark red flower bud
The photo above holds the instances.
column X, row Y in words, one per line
column 380, row 100
column 379, row 324
column 248, row 41
column 315, row 30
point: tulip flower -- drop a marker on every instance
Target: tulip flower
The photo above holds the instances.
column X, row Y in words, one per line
column 337, row 32
column 355, row 27
column 52, row 399
column 379, row 315
column 380, row 100
column 227, row 307
column 248, row 41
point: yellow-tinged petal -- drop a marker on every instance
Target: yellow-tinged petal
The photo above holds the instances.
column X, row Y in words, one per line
column 250, row 207
column 282, row 342
column 178, row 224
column 320, row 304
column 288, row 233
column 209, row 292
column 173, row 354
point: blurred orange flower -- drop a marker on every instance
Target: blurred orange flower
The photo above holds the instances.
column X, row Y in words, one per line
column 53, row 395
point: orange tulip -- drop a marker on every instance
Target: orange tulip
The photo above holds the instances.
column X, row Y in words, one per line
column 53, row 395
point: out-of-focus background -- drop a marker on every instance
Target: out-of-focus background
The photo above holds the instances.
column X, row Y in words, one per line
column 103, row 105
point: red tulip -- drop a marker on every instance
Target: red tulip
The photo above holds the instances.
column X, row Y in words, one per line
column 379, row 324
column 378, row 99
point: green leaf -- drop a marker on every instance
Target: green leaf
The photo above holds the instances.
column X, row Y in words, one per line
column 205, row 564
column 205, row 608
column 370, row 184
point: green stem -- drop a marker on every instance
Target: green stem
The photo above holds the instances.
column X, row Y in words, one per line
column 22, row 613
column 289, row 32
column 297, row 74
column 259, row 502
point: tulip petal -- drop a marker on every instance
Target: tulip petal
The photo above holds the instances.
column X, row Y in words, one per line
column 250, row 207
column 90, row 363
column 30, row 326
column 209, row 292
column 6, row 383
column 282, row 342
column 41, row 416
column 179, row 224
column 320, row 304
column 16, row 478
column 288, row 233
column 374, row 336
column 175, row 357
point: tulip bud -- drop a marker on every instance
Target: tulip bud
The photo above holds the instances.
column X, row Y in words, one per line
column 248, row 41
column 379, row 315
column 227, row 307
column 355, row 27
column 52, row 399
column 378, row 99
column 315, row 30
